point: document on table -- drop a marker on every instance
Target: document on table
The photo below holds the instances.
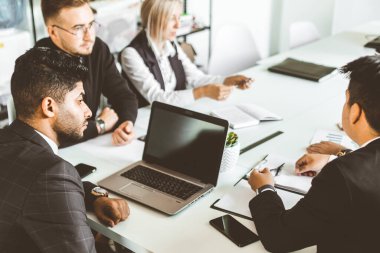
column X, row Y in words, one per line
column 236, row 201
column 283, row 170
column 338, row 137
column 244, row 115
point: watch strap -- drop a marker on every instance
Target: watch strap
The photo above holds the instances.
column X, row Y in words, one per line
column 343, row 152
column 101, row 124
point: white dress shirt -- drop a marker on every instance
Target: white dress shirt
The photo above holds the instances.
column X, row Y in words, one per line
column 150, row 88
column 51, row 143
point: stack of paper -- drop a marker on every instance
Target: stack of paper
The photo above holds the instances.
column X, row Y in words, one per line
column 338, row 137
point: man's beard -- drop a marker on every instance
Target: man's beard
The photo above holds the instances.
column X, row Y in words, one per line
column 68, row 132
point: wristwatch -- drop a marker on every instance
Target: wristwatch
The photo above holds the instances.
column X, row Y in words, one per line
column 343, row 152
column 101, row 124
column 99, row 192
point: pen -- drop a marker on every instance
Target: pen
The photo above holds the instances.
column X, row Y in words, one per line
column 261, row 163
column 279, row 169
column 258, row 165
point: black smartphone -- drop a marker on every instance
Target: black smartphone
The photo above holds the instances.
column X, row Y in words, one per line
column 234, row 230
column 84, row 169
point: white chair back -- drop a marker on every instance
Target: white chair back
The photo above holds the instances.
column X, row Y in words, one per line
column 234, row 49
column 302, row 33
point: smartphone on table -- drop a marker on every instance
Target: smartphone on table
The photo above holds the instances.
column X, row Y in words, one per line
column 84, row 169
column 234, row 230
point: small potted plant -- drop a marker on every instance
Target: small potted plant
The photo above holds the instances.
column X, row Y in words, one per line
column 231, row 152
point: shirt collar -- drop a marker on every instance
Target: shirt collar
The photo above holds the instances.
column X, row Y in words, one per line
column 51, row 143
column 368, row 142
column 168, row 49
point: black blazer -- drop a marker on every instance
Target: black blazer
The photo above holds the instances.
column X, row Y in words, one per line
column 103, row 78
column 42, row 205
column 340, row 213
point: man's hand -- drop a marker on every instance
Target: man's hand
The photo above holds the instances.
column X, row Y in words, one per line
column 109, row 117
column 111, row 211
column 260, row 178
column 310, row 164
column 325, row 147
column 242, row 82
column 124, row 134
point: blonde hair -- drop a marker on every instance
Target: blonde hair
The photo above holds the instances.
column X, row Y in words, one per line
column 155, row 15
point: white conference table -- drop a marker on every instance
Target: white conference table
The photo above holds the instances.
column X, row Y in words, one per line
column 305, row 106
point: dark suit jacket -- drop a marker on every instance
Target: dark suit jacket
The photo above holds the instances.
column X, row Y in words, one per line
column 340, row 213
column 103, row 78
column 42, row 205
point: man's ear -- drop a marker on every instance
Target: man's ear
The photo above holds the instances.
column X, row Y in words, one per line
column 49, row 107
column 356, row 112
column 52, row 32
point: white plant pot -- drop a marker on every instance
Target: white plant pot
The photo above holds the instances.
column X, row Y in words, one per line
column 230, row 157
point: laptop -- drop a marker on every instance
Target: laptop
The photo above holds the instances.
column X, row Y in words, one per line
column 181, row 160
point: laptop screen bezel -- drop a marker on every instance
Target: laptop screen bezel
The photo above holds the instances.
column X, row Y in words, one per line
column 188, row 113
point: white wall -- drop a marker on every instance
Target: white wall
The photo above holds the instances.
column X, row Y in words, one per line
column 254, row 14
column 268, row 20
column 286, row 12
column 350, row 13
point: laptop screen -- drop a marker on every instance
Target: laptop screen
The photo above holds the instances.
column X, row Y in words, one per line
column 185, row 141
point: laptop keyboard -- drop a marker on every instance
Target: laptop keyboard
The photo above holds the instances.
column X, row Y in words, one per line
column 162, row 182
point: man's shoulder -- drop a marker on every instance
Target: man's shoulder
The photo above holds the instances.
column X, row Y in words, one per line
column 45, row 42
column 363, row 162
column 100, row 47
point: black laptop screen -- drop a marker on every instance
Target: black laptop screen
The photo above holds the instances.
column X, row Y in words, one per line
column 187, row 142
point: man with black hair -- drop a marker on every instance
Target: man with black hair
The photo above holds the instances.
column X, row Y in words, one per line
column 341, row 211
column 43, row 202
column 72, row 28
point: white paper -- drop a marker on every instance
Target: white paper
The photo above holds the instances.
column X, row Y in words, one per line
column 338, row 137
column 244, row 115
column 286, row 177
column 237, row 200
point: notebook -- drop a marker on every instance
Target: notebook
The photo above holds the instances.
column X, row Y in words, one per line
column 244, row 115
column 236, row 201
column 302, row 69
column 375, row 43
column 181, row 160
column 284, row 174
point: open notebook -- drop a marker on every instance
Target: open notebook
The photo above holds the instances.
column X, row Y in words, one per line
column 286, row 178
column 244, row 115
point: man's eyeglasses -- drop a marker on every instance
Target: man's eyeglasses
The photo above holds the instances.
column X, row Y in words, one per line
column 80, row 30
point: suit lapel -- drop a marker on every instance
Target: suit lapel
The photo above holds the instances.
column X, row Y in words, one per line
column 27, row 132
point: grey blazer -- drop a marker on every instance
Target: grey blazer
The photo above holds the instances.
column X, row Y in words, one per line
column 42, row 205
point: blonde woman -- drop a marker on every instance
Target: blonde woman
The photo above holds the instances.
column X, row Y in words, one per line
column 158, row 68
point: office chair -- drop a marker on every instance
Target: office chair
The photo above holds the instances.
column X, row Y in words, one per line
column 302, row 33
column 234, row 49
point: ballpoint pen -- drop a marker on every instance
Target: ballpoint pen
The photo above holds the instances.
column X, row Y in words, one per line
column 278, row 169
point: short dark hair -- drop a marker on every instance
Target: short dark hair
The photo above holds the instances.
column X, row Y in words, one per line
column 364, row 87
column 51, row 8
column 43, row 72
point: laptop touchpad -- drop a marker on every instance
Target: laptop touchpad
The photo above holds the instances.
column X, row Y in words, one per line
column 135, row 191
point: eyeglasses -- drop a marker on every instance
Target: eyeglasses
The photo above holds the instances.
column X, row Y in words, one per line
column 80, row 30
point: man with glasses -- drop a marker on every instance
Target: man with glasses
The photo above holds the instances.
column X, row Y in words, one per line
column 72, row 28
